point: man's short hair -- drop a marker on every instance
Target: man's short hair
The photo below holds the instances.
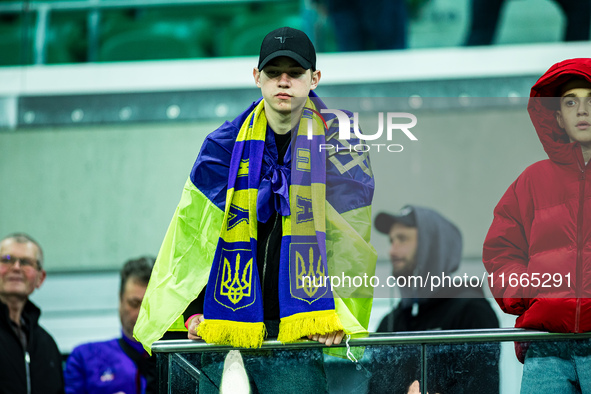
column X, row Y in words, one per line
column 561, row 86
column 573, row 83
column 23, row 238
column 139, row 269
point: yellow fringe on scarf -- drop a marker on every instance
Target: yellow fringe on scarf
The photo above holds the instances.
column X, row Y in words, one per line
column 233, row 333
column 294, row 327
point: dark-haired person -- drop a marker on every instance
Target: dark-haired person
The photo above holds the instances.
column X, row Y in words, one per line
column 30, row 361
column 538, row 247
column 486, row 14
column 423, row 244
column 121, row 364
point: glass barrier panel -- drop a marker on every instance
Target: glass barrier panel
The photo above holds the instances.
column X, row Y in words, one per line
column 183, row 374
column 452, row 361
column 462, row 368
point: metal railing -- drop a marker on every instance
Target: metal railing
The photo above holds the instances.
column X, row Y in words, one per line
column 401, row 338
column 176, row 352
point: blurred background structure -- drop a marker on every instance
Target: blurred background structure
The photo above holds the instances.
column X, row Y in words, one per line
column 80, row 31
column 104, row 105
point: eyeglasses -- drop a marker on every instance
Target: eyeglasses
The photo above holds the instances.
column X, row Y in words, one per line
column 24, row 261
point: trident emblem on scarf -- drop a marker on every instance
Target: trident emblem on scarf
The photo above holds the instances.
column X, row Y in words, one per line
column 312, row 278
column 236, row 286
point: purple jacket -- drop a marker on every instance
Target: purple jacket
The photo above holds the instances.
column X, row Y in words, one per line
column 102, row 367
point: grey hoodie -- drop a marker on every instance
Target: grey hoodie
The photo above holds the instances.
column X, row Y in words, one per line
column 439, row 250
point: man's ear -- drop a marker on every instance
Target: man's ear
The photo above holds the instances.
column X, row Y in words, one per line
column 41, row 278
column 257, row 76
column 315, row 79
column 559, row 119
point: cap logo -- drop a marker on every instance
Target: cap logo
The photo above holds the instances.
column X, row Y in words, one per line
column 404, row 211
column 282, row 39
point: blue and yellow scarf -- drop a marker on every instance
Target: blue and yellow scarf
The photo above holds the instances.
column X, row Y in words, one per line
column 189, row 248
column 233, row 302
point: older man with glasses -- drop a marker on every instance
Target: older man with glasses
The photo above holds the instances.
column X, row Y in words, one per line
column 30, row 361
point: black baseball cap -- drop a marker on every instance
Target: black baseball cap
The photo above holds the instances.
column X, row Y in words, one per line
column 290, row 42
column 384, row 221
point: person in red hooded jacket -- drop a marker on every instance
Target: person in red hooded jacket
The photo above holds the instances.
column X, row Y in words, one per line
column 538, row 248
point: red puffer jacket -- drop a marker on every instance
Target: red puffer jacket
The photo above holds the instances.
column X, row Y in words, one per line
column 542, row 224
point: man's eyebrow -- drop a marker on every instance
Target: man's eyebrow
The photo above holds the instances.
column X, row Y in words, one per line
column 574, row 95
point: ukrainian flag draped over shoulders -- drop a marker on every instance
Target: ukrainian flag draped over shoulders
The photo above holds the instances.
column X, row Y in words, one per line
column 182, row 267
column 197, row 229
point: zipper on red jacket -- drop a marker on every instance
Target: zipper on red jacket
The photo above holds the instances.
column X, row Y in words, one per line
column 579, row 280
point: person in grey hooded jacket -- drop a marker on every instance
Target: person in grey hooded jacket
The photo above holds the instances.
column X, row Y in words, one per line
column 425, row 244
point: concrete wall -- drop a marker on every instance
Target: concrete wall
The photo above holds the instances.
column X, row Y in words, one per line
column 95, row 196
column 461, row 165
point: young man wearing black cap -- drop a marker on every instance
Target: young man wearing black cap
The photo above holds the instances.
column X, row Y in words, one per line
column 241, row 208
column 425, row 244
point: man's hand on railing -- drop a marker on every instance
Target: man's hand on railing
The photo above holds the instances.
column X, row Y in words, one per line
column 193, row 324
column 331, row 338
column 415, row 388
column 334, row 337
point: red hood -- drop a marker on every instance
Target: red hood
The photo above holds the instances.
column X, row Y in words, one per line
column 553, row 138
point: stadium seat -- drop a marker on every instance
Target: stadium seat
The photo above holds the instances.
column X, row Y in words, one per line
column 66, row 37
column 139, row 35
column 16, row 41
column 244, row 35
column 147, row 45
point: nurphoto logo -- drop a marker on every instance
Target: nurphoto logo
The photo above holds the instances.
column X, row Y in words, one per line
column 392, row 126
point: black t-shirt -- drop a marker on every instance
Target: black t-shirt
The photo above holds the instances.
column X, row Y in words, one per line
column 268, row 253
column 269, row 247
column 452, row 368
